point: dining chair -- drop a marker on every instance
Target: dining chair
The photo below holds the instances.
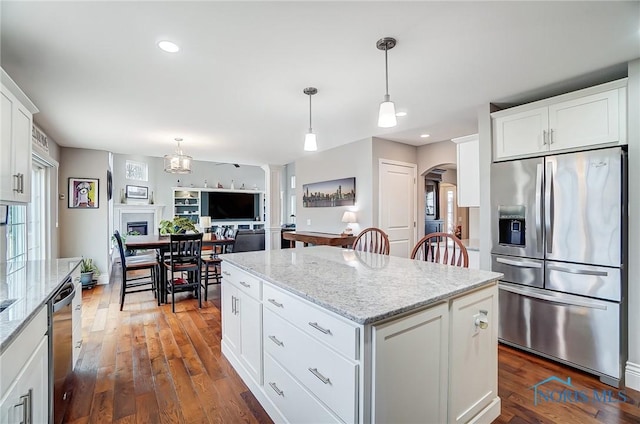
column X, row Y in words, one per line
column 372, row 240
column 131, row 281
column 184, row 265
column 443, row 248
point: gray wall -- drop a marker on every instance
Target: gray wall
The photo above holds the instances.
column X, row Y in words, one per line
column 350, row 160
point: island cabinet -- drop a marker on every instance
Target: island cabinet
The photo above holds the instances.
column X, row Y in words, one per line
column 430, row 361
column 24, row 387
column 573, row 121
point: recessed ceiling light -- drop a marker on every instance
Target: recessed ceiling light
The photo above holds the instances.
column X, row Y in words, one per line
column 401, row 114
column 168, row 46
column 424, row 135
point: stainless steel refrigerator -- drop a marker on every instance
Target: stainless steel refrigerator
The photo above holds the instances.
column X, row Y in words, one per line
column 559, row 231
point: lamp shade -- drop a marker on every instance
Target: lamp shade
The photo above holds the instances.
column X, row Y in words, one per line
column 387, row 114
column 205, row 221
column 349, row 217
column 177, row 163
column 310, row 144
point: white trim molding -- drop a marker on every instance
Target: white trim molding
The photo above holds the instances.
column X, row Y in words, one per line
column 121, row 210
column 632, row 376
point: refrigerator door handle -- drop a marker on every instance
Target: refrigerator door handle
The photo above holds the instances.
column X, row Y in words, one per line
column 553, row 299
column 521, row 264
column 578, row 271
column 548, row 207
column 538, row 207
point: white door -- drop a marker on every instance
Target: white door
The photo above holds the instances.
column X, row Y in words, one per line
column 397, row 200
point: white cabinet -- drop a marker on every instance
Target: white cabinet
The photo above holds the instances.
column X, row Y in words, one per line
column 16, row 111
column 573, row 121
column 76, row 305
column 468, row 170
column 186, row 203
column 407, row 353
column 242, row 318
column 24, row 386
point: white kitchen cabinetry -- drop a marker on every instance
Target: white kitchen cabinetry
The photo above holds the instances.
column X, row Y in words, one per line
column 24, row 386
column 590, row 117
column 16, row 112
column 242, row 320
column 76, row 305
column 468, row 170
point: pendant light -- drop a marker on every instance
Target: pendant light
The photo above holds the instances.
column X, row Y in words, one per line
column 177, row 163
column 310, row 144
column 387, row 114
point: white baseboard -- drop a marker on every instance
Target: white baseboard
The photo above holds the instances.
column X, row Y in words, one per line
column 632, row 376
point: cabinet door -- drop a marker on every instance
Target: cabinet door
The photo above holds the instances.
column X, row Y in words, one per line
column 520, row 134
column 250, row 311
column 7, row 180
column 468, row 173
column 28, row 396
column 410, row 368
column 22, row 150
column 474, row 354
column 230, row 317
column 586, row 121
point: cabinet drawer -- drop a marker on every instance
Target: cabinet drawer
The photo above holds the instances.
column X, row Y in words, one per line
column 293, row 401
column 320, row 324
column 243, row 280
column 325, row 373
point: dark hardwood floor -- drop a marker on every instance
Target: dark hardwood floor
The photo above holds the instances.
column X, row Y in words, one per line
column 147, row 365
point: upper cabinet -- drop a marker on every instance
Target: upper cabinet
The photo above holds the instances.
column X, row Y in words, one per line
column 468, row 153
column 573, row 121
column 16, row 112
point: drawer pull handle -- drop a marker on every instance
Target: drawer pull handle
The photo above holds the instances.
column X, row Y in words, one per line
column 321, row 377
column 276, row 341
column 275, row 389
column 79, row 344
column 78, row 307
column 247, row 285
column 228, row 274
column 278, row 304
column 317, row 327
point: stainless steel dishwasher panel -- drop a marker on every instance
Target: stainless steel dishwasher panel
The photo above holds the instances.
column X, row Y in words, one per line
column 61, row 349
column 580, row 331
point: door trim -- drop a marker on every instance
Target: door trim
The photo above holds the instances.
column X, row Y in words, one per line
column 414, row 168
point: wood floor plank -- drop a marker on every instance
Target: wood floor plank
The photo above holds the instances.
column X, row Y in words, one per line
column 149, row 365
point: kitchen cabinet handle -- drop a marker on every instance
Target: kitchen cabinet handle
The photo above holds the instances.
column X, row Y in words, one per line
column 228, row 274
column 317, row 327
column 321, row 377
column 16, row 186
column 233, row 305
column 275, row 389
column 79, row 344
column 78, row 307
column 551, row 136
column 544, row 137
column 276, row 341
column 278, row 304
column 25, row 403
column 21, row 183
column 247, row 285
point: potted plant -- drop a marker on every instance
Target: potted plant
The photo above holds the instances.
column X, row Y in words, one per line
column 87, row 270
column 178, row 225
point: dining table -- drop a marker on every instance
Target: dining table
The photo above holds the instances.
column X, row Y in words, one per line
column 161, row 244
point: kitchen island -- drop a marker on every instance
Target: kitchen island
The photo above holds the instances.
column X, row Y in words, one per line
column 332, row 335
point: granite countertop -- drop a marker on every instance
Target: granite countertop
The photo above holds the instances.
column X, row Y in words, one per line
column 362, row 287
column 31, row 283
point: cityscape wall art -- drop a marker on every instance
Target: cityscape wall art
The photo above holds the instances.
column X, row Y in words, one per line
column 329, row 193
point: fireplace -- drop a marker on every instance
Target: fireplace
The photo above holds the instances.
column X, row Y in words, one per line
column 141, row 227
column 133, row 214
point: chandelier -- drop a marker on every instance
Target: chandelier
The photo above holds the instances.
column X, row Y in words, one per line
column 177, row 163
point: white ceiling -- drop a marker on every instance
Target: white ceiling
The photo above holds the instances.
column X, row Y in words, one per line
column 234, row 91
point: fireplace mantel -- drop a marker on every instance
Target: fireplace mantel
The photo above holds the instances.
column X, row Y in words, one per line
column 122, row 210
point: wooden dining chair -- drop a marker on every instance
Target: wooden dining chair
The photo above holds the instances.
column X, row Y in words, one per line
column 184, row 265
column 443, row 248
column 133, row 282
column 372, row 240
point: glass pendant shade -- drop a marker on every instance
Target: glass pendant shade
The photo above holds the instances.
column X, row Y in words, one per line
column 310, row 144
column 177, row 163
column 387, row 114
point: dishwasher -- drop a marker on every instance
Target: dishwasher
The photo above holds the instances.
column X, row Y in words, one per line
column 60, row 351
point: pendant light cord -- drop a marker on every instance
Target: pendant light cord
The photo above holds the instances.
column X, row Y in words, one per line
column 386, row 71
column 310, row 113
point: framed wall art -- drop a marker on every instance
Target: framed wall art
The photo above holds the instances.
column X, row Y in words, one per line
column 137, row 192
column 83, row 193
column 329, row 193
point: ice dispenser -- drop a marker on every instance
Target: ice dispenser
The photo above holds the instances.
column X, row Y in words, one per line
column 511, row 224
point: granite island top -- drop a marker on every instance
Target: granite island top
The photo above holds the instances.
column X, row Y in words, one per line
column 362, row 287
column 31, row 283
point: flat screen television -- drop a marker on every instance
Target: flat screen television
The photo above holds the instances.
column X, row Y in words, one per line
column 232, row 206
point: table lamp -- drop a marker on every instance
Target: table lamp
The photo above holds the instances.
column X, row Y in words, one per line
column 205, row 223
column 350, row 218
